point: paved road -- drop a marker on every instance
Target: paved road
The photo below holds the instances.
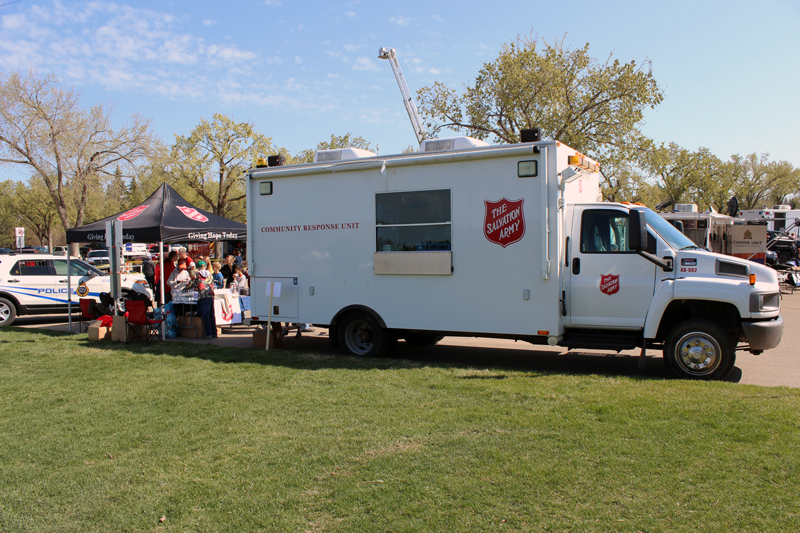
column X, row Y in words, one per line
column 778, row 367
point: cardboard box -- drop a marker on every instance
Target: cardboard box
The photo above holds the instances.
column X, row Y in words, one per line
column 97, row 332
column 122, row 333
column 194, row 321
column 260, row 338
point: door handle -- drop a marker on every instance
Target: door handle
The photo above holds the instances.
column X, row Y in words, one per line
column 62, row 281
column 576, row 266
column 13, row 281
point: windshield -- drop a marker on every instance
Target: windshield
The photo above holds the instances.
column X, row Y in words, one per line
column 667, row 231
column 98, row 253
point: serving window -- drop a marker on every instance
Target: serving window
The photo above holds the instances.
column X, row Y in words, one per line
column 413, row 221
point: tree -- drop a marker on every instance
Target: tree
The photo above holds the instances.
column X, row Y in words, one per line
column 69, row 148
column 593, row 107
column 683, row 176
column 785, row 181
column 752, row 181
column 213, row 161
column 341, row 141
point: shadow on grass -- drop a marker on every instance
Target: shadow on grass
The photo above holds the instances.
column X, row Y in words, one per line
column 315, row 353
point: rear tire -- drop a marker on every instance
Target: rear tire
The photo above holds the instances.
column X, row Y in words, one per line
column 7, row 312
column 361, row 335
column 699, row 349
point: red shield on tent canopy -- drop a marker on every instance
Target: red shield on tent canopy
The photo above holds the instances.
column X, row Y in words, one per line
column 192, row 213
column 504, row 221
column 133, row 213
column 609, row 284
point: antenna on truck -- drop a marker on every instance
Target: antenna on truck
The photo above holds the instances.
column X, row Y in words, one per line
column 411, row 108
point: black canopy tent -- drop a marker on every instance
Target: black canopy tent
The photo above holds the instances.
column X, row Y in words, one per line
column 165, row 217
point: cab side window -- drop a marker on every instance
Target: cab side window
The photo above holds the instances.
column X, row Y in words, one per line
column 30, row 268
column 604, row 231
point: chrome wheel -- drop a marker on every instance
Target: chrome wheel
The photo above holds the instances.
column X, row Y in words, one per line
column 698, row 353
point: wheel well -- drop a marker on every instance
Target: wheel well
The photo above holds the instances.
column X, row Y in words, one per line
column 11, row 299
column 723, row 313
column 357, row 307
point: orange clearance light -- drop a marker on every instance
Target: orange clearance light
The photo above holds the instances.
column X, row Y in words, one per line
column 582, row 163
column 544, row 332
column 752, row 279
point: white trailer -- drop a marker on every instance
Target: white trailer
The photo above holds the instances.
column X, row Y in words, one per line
column 506, row 241
column 780, row 218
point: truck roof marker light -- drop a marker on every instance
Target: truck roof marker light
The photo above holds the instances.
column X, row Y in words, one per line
column 261, row 162
column 543, row 332
column 752, row 279
column 582, row 163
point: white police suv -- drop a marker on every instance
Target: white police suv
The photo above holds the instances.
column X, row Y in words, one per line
column 33, row 284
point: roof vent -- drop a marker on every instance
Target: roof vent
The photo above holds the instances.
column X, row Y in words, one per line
column 686, row 208
column 341, row 154
column 451, row 143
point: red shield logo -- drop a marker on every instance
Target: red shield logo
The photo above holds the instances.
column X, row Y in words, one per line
column 504, row 221
column 193, row 213
column 133, row 213
column 609, row 284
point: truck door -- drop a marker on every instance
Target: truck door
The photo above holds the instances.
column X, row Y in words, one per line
column 610, row 285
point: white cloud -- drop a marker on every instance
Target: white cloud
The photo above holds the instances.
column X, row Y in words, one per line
column 437, row 18
column 207, row 22
column 365, row 63
column 352, row 47
column 13, row 22
column 351, row 14
column 401, row 21
column 273, row 2
column 434, row 71
column 298, row 59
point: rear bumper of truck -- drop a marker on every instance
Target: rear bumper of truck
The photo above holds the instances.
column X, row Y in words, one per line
column 763, row 334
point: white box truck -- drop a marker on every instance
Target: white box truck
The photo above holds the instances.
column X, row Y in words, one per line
column 508, row 241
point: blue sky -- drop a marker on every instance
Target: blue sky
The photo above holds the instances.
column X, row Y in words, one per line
column 303, row 70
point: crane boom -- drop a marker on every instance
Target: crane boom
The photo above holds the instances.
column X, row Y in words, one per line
column 411, row 108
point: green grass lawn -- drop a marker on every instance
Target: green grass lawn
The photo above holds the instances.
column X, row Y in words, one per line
column 105, row 437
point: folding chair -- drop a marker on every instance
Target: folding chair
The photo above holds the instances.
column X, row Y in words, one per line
column 137, row 319
column 87, row 314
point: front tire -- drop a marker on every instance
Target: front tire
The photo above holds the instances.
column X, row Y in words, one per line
column 361, row 335
column 7, row 312
column 699, row 349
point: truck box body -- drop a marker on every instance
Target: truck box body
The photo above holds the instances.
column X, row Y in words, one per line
column 318, row 229
column 507, row 241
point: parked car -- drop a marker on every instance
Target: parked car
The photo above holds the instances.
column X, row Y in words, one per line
column 33, row 250
column 85, row 249
column 37, row 284
column 97, row 257
column 60, row 250
column 5, row 250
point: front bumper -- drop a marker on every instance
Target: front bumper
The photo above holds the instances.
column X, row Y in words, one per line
column 763, row 334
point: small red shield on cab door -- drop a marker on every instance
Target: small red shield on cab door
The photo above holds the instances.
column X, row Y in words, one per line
column 192, row 213
column 609, row 284
column 504, row 221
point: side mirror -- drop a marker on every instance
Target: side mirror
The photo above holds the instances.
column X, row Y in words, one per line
column 678, row 225
column 637, row 229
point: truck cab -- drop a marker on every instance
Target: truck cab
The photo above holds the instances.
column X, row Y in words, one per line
column 632, row 274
